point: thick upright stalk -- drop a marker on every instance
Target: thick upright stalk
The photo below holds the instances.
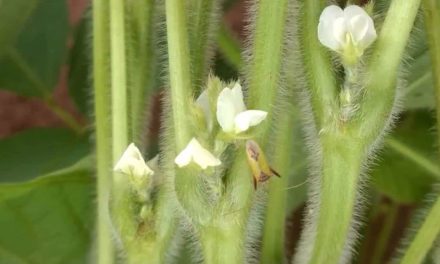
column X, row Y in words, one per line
column 103, row 128
column 267, row 51
column 220, row 244
column 179, row 70
column 118, row 78
column 274, row 227
column 342, row 159
column 141, row 62
column 430, row 229
column 203, row 29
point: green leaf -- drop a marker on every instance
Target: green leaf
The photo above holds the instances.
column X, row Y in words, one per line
column 419, row 92
column 39, row 151
column 47, row 220
column 13, row 15
column 80, row 67
column 31, row 65
column 398, row 176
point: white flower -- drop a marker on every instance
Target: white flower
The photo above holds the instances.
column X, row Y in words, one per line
column 203, row 102
column 132, row 163
column 350, row 29
column 232, row 114
column 194, row 152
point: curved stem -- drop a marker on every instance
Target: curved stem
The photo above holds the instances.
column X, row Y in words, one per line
column 375, row 114
column 320, row 78
column 103, row 128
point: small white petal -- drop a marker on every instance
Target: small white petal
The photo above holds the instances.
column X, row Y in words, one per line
column 184, row 157
column 203, row 102
column 326, row 27
column 237, row 96
column 248, row 118
column 330, row 13
column 361, row 26
column 132, row 163
column 226, row 110
column 339, row 30
column 194, row 152
column 352, row 11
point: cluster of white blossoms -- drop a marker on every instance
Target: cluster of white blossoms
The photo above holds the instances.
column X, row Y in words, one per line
column 348, row 32
column 233, row 118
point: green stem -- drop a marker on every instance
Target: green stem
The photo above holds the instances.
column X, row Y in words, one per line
column 179, row 69
column 141, row 62
column 188, row 183
column 430, row 229
column 432, row 18
column 391, row 214
column 203, row 29
column 118, row 78
column 320, row 78
column 220, row 244
column 103, row 128
column 412, row 155
column 425, row 237
column 342, row 159
column 267, row 51
column 274, row 228
column 374, row 114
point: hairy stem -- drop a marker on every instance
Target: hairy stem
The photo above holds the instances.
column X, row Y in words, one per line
column 103, row 128
column 267, row 50
column 118, row 78
column 220, row 244
column 203, row 29
column 179, row 70
column 320, row 78
column 375, row 114
column 142, row 62
column 342, row 159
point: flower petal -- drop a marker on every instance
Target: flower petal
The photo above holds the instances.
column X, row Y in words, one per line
column 327, row 27
column 330, row 13
column 248, row 118
column 226, row 110
column 132, row 163
column 185, row 156
column 203, row 102
column 237, row 95
column 195, row 152
column 361, row 26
